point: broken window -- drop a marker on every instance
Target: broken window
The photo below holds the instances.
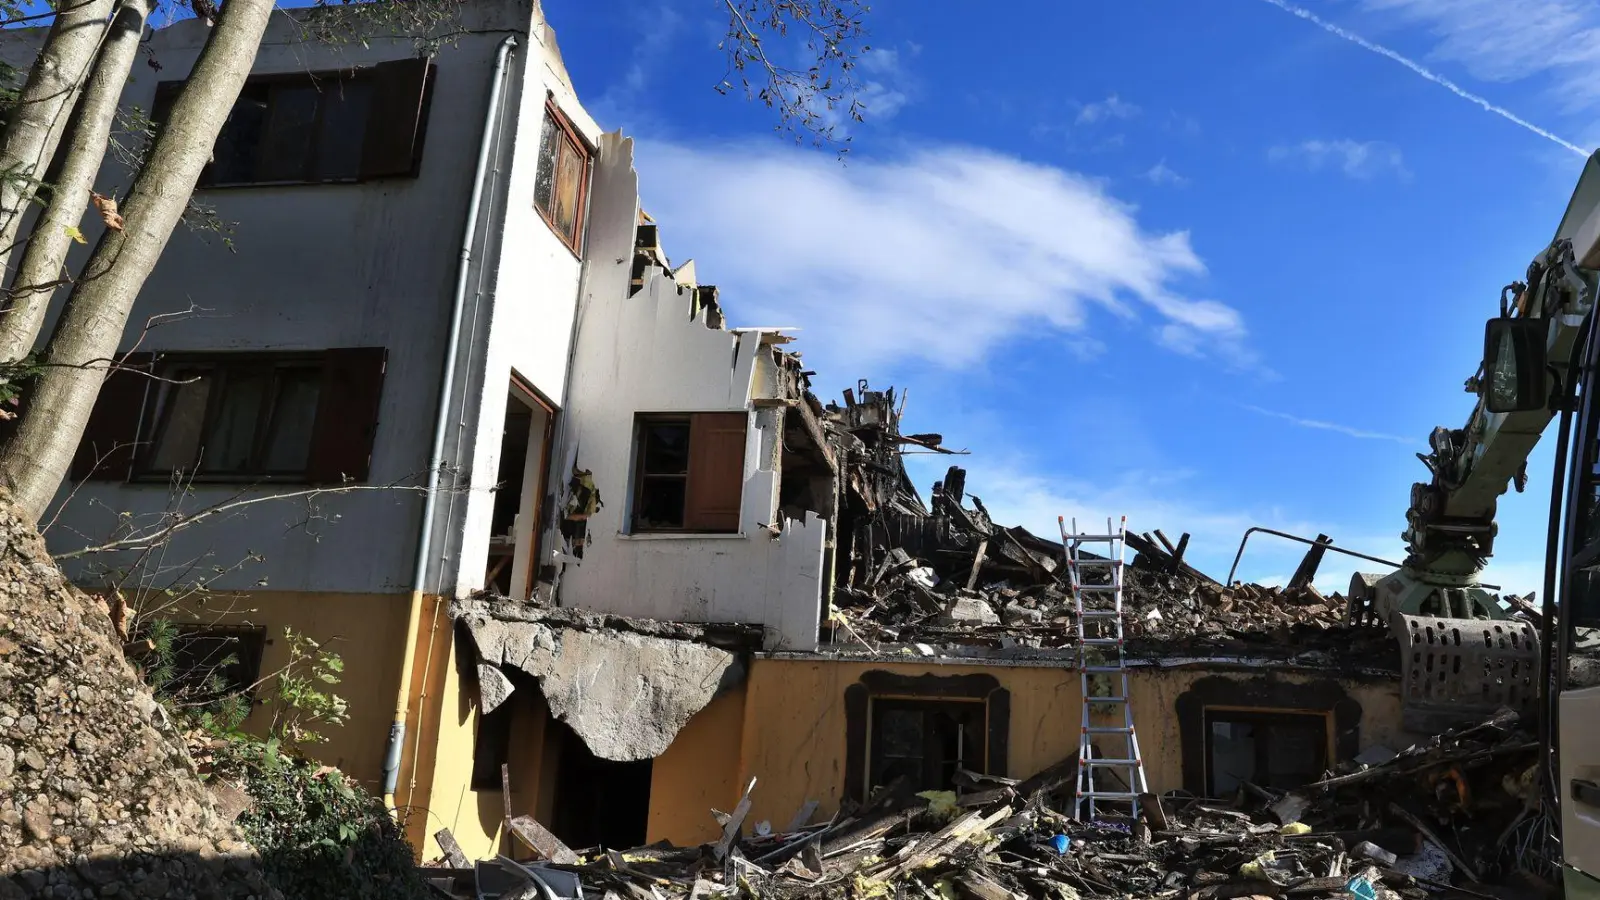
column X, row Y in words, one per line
column 561, row 180
column 689, row 472
column 306, row 417
column 329, row 127
column 925, row 741
column 1274, row 750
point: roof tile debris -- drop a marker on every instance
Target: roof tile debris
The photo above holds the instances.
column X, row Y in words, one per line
column 1429, row 817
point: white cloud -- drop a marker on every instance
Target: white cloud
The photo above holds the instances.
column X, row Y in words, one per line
column 1356, row 159
column 1320, row 425
column 1508, row 40
column 1161, row 173
column 1113, row 107
column 939, row 256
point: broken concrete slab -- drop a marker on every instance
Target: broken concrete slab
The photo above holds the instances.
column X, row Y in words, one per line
column 627, row 695
column 493, row 687
column 972, row 611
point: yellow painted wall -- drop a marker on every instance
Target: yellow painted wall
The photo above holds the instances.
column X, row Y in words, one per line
column 366, row 630
column 699, row 772
column 794, row 725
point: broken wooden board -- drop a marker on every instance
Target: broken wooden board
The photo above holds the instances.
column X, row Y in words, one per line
column 540, row 840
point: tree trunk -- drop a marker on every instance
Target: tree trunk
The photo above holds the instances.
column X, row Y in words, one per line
column 90, row 133
column 35, row 459
column 34, row 129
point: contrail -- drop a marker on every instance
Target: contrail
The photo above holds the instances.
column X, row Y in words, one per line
column 1425, row 72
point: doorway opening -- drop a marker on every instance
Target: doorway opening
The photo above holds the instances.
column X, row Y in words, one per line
column 598, row 802
column 519, row 493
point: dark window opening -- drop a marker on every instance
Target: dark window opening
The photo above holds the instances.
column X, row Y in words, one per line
column 598, row 802
column 561, row 179
column 241, row 418
column 342, row 126
column 1280, row 751
column 508, row 497
column 299, row 417
column 491, row 747
column 210, row 662
column 925, row 741
column 689, row 473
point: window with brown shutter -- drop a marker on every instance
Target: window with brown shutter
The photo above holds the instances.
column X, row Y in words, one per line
column 344, row 126
column 689, row 472
column 295, row 417
column 561, row 179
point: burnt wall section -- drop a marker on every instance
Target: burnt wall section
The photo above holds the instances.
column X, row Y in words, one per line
column 1266, row 692
column 879, row 683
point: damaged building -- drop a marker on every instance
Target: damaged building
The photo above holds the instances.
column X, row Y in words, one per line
column 596, row 558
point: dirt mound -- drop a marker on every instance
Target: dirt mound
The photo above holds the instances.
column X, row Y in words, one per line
column 97, row 796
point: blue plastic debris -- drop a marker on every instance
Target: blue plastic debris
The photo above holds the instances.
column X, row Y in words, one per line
column 1061, row 842
column 1361, row 888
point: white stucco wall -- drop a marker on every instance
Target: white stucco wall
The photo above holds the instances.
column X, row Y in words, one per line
column 645, row 354
column 528, row 322
column 372, row 264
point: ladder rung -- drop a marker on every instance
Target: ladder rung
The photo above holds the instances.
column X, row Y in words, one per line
column 1105, row 699
column 1092, row 538
column 1099, row 587
column 1104, row 669
column 1096, row 562
column 1102, row 642
column 1108, row 795
column 1099, row 613
column 1108, row 763
column 1108, row 729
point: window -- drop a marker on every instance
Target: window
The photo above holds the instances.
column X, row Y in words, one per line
column 925, row 741
column 561, row 181
column 689, row 473
column 1281, row 751
column 211, row 662
column 924, row 728
column 330, row 127
column 301, row 417
column 236, row 417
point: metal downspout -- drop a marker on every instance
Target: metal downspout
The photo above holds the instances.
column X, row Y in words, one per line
column 397, row 729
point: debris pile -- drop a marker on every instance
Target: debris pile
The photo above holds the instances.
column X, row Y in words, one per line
column 1401, row 827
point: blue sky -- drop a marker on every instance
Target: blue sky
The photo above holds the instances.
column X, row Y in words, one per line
column 1205, row 265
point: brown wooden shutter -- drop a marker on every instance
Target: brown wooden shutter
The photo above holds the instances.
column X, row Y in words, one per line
column 347, row 415
column 397, row 119
column 716, row 471
column 107, row 450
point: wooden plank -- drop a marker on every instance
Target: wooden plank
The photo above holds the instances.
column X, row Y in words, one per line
column 730, row 829
column 452, row 850
column 803, row 815
column 977, row 563
column 540, row 840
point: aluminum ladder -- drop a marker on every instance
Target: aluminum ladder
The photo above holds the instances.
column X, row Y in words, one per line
column 1099, row 615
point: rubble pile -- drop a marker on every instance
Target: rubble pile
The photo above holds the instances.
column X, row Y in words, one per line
column 1406, row 826
column 98, row 797
column 946, row 573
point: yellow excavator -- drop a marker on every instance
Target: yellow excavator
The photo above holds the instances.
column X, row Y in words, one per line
column 1464, row 653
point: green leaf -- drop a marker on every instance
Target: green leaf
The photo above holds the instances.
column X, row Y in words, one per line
column 77, row 235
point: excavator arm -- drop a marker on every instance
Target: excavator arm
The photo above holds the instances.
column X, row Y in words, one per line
column 1461, row 653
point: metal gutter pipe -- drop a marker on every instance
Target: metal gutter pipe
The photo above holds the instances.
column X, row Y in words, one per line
column 441, row 427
